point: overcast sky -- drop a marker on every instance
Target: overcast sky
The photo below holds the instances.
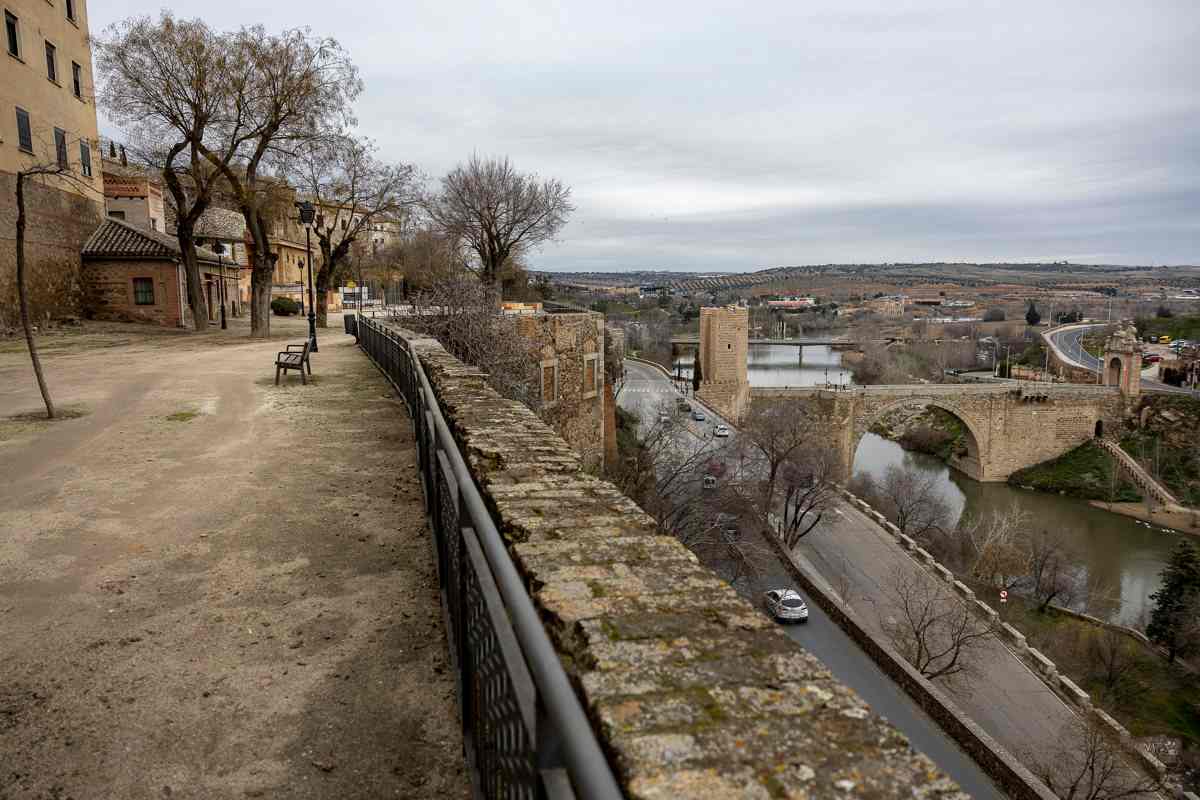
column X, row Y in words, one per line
column 736, row 136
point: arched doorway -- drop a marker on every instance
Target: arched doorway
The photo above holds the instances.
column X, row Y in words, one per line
column 1112, row 376
column 1099, row 428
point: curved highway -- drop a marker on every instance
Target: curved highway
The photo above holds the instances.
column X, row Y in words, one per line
column 1068, row 342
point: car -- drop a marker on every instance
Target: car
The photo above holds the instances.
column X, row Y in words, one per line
column 1153, row 359
column 721, row 430
column 728, row 526
column 786, row 605
column 698, row 415
column 664, row 417
column 709, row 482
column 683, row 405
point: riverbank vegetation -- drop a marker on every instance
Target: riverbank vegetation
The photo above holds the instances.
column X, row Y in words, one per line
column 1165, row 443
column 1087, row 472
column 931, row 431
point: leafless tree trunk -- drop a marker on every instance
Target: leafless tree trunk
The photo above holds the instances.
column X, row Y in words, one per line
column 22, row 294
column 912, row 501
column 1050, row 570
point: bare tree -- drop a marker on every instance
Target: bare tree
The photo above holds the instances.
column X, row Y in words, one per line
column 1051, row 570
column 912, row 500
column 497, row 212
column 166, row 82
column 808, row 491
column 1087, row 765
column 290, row 89
column 932, row 629
column 354, row 193
column 1113, row 663
column 464, row 315
column 994, row 547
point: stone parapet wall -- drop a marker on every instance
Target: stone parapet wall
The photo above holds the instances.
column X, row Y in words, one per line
column 692, row 691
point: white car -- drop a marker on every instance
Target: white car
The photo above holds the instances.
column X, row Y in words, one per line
column 721, row 430
column 786, row 605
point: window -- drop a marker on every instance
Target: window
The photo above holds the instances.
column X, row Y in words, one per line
column 549, row 381
column 589, row 376
column 60, row 148
column 77, row 79
column 10, row 30
column 153, row 223
column 24, row 132
column 117, row 215
column 85, row 158
column 71, row 10
column 143, row 291
column 51, row 63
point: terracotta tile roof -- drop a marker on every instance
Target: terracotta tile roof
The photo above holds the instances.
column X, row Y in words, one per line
column 117, row 239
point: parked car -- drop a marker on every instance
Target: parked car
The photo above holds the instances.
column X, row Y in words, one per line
column 721, row 430
column 664, row 417
column 698, row 415
column 786, row 605
column 1153, row 359
column 683, row 405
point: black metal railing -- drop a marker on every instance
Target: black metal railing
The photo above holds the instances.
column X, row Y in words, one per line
column 524, row 731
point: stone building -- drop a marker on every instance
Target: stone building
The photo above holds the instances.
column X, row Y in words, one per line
column 134, row 198
column 569, row 347
column 132, row 274
column 724, row 346
column 47, row 116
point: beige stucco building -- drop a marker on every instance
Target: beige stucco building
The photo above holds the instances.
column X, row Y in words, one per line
column 47, row 116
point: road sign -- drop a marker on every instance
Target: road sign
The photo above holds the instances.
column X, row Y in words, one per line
column 1003, row 596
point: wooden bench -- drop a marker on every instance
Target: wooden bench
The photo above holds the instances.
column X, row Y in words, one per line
column 294, row 357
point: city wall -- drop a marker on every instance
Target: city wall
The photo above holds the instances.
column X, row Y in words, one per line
column 693, row 692
column 57, row 225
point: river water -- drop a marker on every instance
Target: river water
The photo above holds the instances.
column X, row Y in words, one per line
column 1120, row 557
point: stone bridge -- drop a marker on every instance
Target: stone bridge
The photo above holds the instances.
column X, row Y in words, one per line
column 1009, row 426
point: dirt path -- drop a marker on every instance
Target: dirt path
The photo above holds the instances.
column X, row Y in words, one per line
column 213, row 587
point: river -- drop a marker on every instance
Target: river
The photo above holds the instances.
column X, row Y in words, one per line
column 1122, row 558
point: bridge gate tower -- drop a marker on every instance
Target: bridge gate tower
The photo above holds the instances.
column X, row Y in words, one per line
column 1122, row 363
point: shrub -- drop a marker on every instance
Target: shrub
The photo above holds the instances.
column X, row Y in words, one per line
column 285, row 306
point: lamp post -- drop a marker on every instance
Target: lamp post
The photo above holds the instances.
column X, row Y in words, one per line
column 307, row 213
column 219, row 248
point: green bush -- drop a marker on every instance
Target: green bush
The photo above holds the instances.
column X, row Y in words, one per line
column 284, row 306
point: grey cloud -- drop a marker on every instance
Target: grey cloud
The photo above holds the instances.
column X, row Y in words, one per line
column 735, row 136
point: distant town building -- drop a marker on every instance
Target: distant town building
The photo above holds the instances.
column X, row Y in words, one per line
column 886, row 306
column 792, row 303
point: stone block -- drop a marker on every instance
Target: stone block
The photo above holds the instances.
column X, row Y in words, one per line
column 925, row 556
column 1042, row 664
column 987, row 611
column 1110, row 724
column 964, row 591
column 907, row 542
column 1013, row 636
column 944, row 573
column 1076, row 695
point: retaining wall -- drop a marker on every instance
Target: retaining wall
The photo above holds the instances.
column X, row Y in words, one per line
column 693, row 692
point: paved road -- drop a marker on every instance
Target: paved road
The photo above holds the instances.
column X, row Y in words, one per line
column 1069, row 343
column 645, row 389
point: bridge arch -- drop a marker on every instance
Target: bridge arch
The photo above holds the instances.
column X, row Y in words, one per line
column 976, row 439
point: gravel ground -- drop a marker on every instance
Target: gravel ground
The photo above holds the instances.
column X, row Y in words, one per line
column 214, row 587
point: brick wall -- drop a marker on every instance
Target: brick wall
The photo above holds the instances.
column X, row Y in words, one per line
column 108, row 291
column 58, row 223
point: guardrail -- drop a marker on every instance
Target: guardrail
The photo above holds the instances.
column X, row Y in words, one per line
column 524, row 731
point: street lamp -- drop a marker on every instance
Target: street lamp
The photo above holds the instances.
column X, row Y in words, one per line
column 219, row 248
column 307, row 212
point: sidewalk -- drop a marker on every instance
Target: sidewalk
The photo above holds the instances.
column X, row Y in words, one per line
column 212, row 587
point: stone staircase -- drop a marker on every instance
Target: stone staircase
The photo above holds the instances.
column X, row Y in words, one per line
column 1137, row 473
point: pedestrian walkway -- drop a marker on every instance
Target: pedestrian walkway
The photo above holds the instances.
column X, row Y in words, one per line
column 212, row 587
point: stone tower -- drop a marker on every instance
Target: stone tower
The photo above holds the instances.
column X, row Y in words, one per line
column 724, row 341
column 1122, row 362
